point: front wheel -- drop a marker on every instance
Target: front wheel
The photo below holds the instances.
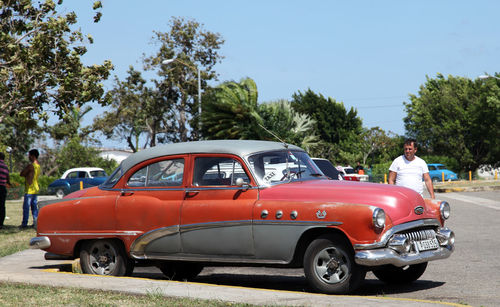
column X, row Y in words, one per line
column 329, row 266
column 105, row 257
column 400, row 275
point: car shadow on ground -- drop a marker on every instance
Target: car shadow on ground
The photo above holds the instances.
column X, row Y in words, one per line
column 374, row 287
column 370, row 287
column 277, row 280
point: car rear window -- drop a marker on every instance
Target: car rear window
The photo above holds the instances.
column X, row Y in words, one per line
column 160, row 174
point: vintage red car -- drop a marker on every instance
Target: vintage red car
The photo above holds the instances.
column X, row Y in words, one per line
column 184, row 206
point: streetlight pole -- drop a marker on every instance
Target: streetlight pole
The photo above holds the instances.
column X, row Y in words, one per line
column 166, row 62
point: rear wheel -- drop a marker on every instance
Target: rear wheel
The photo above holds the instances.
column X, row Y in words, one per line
column 105, row 257
column 400, row 275
column 435, row 180
column 180, row 270
column 329, row 266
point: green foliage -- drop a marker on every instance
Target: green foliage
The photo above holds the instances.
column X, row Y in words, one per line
column 134, row 112
column 231, row 111
column 74, row 154
column 16, row 191
column 379, row 170
column 332, row 121
column 40, row 62
column 459, row 118
column 167, row 111
column 290, row 126
column 339, row 130
column 193, row 50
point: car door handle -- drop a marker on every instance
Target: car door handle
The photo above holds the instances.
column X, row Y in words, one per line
column 124, row 193
column 192, row 193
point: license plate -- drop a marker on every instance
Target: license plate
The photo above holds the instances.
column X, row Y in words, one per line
column 427, row 244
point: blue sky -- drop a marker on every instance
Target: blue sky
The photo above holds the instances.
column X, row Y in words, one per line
column 370, row 55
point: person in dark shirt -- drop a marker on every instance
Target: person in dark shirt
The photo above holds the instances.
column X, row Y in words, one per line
column 4, row 181
column 359, row 168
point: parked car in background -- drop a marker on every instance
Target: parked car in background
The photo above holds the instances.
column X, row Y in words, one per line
column 233, row 202
column 70, row 180
column 350, row 174
column 328, row 169
column 488, row 171
column 436, row 171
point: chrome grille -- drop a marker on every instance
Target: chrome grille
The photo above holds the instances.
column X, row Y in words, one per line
column 419, row 235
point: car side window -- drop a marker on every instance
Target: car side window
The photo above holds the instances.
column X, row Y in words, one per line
column 72, row 175
column 160, row 174
column 217, row 171
column 432, row 167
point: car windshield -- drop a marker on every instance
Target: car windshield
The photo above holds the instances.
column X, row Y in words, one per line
column 110, row 182
column 283, row 166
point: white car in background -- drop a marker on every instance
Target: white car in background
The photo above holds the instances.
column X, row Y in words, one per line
column 350, row 174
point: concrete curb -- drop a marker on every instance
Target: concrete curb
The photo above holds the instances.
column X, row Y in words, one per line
column 439, row 189
column 29, row 266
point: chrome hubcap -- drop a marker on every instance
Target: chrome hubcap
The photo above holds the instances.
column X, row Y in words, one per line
column 331, row 265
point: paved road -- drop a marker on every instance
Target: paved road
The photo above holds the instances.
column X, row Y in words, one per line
column 470, row 276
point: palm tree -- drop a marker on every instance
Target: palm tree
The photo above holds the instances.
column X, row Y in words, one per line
column 230, row 111
column 292, row 127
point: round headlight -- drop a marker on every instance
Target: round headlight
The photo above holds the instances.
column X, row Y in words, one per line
column 378, row 218
column 444, row 208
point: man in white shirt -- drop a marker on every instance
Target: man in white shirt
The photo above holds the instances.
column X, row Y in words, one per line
column 407, row 170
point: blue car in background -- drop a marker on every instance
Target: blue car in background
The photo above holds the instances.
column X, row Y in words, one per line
column 436, row 171
column 70, row 180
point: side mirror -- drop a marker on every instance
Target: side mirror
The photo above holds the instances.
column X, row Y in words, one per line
column 241, row 183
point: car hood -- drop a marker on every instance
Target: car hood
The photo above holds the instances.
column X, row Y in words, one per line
column 399, row 203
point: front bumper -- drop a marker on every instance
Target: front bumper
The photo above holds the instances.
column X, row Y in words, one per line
column 40, row 242
column 389, row 256
column 400, row 253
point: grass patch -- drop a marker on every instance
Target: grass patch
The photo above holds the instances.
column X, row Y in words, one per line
column 13, row 239
column 16, row 294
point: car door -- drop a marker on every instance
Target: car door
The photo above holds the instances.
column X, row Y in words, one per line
column 216, row 215
column 150, row 203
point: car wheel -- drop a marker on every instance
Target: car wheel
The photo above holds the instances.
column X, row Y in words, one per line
column 105, row 257
column 400, row 275
column 60, row 193
column 435, row 180
column 329, row 266
column 180, row 270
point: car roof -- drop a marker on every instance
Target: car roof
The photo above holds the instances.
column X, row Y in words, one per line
column 81, row 169
column 240, row 148
column 84, row 169
column 435, row 164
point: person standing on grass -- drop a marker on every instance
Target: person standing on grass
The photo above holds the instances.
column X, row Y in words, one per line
column 408, row 170
column 31, row 188
column 4, row 182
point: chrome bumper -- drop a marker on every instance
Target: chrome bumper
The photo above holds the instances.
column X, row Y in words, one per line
column 399, row 252
column 40, row 242
column 389, row 256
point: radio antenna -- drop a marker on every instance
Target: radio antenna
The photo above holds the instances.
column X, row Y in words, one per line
column 277, row 137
